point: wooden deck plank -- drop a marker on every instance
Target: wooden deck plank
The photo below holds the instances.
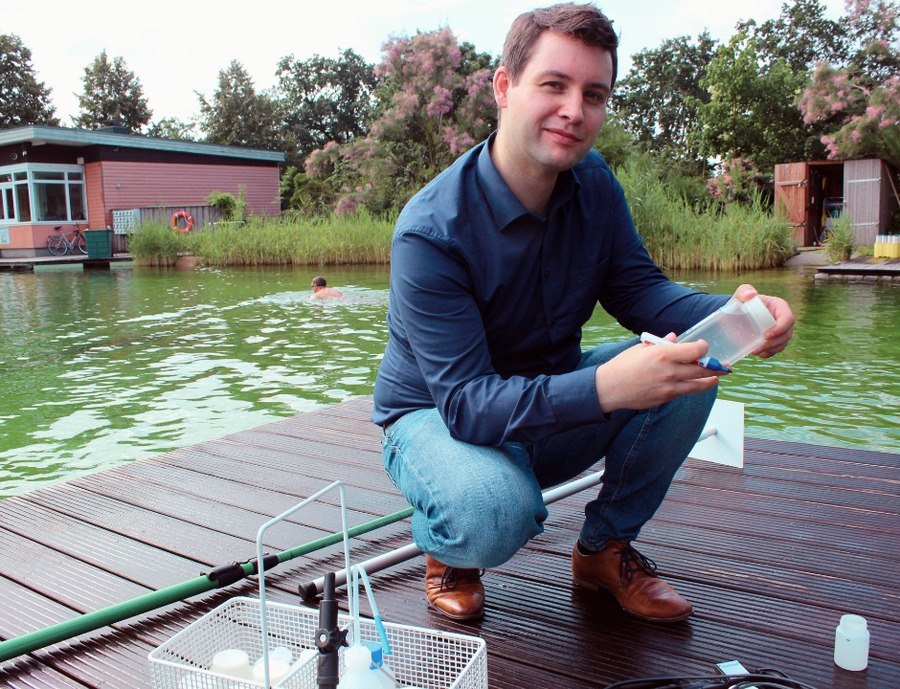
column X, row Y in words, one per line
column 149, row 565
column 173, row 535
column 770, row 555
column 74, row 583
column 806, row 452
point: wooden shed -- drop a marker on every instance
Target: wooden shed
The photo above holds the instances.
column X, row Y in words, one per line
column 57, row 177
column 812, row 194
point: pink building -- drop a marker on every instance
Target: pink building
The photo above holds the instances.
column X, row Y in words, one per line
column 52, row 176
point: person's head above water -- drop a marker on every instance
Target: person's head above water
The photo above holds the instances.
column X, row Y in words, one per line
column 321, row 289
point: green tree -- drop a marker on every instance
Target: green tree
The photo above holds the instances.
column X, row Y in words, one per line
column 435, row 101
column 751, row 113
column 873, row 27
column 237, row 115
column 801, row 35
column 858, row 105
column 615, row 142
column 23, row 99
column 172, row 128
column 324, row 100
column 111, row 93
column 658, row 100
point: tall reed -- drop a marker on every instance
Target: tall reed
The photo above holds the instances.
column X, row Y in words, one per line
column 157, row 244
column 706, row 236
column 335, row 240
column 839, row 240
column 678, row 234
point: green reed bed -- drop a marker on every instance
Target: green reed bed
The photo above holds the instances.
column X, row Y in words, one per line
column 678, row 234
column 336, row 240
column 684, row 236
column 155, row 244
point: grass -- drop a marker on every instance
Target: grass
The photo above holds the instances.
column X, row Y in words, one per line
column 681, row 235
column 335, row 240
column 155, row 244
column 678, row 235
column 839, row 242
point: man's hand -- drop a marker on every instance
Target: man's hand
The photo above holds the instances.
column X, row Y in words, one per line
column 778, row 336
column 647, row 375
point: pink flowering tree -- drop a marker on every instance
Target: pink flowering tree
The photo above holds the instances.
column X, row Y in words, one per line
column 861, row 101
column 435, row 102
column 738, row 181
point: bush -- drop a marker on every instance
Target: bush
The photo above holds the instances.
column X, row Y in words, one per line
column 155, row 244
column 297, row 240
column 680, row 234
column 739, row 181
column 839, row 241
column 232, row 208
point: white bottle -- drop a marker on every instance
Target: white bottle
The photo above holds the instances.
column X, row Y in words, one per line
column 278, row 670
column 357, row 673
column 733, row 331
column 232, row 662
column 851, row 643
column 378, row 662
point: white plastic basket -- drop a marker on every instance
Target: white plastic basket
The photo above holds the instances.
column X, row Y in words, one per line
column 422, row 658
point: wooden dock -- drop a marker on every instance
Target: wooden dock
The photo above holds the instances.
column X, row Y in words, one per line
column 862, row 269
column 771, row 556
column 67, row 262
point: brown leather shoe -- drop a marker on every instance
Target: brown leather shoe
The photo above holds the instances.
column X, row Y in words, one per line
column 456, row 593
column 631, row 578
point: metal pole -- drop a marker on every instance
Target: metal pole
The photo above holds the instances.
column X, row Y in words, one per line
column 173, row 594
column 411, row 550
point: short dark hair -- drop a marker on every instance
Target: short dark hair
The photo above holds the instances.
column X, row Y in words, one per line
column 585, row 23
column 319, row 281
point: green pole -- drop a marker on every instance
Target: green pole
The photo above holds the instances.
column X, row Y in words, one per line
column 171, row 594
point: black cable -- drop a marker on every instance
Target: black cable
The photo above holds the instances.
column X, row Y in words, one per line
column 673, row 682
column 760, row 679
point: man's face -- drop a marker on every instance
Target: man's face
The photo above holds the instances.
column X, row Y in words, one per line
column 553, row 114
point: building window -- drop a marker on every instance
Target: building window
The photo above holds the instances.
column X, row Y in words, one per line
column 23, row 203
column 7, row 204
column 46, row 193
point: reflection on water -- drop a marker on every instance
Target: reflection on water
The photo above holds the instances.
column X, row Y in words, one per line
column 105, row 367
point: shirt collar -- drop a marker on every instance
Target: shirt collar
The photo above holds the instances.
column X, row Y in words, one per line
column 504, row 205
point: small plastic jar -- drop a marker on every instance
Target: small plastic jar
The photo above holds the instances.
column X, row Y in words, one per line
column 733, row 331
column 851, row 643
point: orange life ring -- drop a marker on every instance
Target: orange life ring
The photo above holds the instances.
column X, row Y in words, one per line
column 188, row 219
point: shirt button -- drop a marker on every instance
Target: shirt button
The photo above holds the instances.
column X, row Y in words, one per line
column 546, row 273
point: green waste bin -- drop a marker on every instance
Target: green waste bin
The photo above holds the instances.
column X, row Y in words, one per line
column 99, row 243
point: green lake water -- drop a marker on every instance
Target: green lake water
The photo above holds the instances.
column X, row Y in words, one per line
column 105, row 367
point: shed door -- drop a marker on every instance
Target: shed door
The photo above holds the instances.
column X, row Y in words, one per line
column 862, row 198
column 790, row 197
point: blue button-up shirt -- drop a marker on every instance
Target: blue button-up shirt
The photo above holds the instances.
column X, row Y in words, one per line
column 487, row 300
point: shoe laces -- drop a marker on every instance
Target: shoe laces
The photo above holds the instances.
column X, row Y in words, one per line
column 631, row 562
column 453, row 576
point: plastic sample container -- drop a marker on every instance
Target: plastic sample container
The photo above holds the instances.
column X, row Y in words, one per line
column 851, row 643
column 733, row 331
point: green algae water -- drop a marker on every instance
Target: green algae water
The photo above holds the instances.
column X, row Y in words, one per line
column 105, row 367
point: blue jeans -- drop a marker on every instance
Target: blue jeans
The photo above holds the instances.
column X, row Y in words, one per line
column 475, row 506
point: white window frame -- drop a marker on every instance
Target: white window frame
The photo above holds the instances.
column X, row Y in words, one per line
column 13, row 218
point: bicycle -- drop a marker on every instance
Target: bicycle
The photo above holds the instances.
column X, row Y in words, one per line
column 60, row 244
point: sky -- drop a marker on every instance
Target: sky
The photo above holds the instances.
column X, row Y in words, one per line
column 178, row 48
